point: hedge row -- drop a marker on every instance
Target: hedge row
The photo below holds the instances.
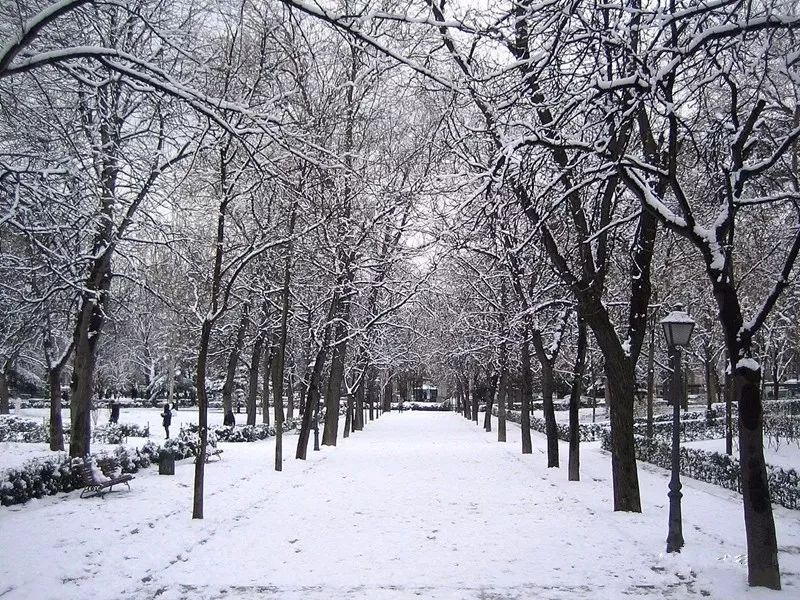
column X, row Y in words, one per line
column 60, row 473
column 713, row 467
column 424, row 406
column 691, row 431
column 115, row 433
column 589, row 432
column 20, row 429
column 694, row 415
column 25, row 430
column 246, row 433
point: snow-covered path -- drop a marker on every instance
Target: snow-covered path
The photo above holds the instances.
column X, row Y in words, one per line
column 419, row 505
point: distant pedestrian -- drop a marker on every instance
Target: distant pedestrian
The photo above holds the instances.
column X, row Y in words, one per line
column 167, row 418
column 114, row 418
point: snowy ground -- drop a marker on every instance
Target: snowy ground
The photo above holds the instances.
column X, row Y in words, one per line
column 419, row 505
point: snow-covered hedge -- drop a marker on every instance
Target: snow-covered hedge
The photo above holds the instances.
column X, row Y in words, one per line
column 716, row 468
column 246, row 433
column 691, row 431
column 695, row 415
column 115, row 433
column 45, row 477
column 430, row 406
column 187, row 444
column 589, row 432
column 20, row 429
column 39, row 403
column 782, row 426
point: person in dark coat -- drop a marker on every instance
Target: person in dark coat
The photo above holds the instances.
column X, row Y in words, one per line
column 167, row 418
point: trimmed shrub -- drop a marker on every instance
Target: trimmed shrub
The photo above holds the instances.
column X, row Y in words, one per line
column 187, row 444
column 20, row 429
column 60, row 473
column 589, row 432
column 116, row 433
column 424, row 406
column 713, row 467
column 245, row 433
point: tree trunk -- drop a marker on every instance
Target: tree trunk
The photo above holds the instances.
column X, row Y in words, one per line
column 621, row 385
column 574, row 467
column 233, row 362
column 312, row 402
column 527, row 393
column 280, row 355
column 290, row 396
column 348, row 417
column 334, row 390
column 776, row 385
column 277, row 401
column 387, row 394
column 551, row 429
column 762, row 545
column 709, row 368
column 651, row 376
column 467, row 402
column 402, row 388
column 685, row 388
column 4, row 394
column 358, row 415
column 267, row 366
column 202, row 401
column 549, row 414
column 371, row 392
column 171, row 380
column 620, row 389
column 489, row 399
column 87, row 334
column 728, row 411
column 56, row 425
column 501, row 406
column 252, row 383
column 477, row 394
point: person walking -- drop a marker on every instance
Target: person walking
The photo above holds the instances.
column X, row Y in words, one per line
column 167, row 418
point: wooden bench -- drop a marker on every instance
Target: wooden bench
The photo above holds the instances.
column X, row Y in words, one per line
column 96, row 483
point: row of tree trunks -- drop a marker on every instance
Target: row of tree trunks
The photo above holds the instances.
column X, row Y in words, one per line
column 360, row 395
column 311, row 410
column 233, row 363
column 255, row 366
column 280, row 354
column 335, row 377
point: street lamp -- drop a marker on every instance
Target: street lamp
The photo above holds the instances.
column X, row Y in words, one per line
column 678, row 327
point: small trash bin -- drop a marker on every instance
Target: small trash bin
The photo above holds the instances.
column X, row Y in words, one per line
column 166, row 464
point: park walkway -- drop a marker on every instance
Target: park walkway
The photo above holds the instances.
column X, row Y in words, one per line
column 419, row 505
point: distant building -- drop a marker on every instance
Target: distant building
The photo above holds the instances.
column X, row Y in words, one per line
column 426, row 393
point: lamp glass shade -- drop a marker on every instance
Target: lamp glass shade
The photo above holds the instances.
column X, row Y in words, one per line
column 678, row 328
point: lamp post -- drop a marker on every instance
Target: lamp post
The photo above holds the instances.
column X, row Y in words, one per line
column 678, row 326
